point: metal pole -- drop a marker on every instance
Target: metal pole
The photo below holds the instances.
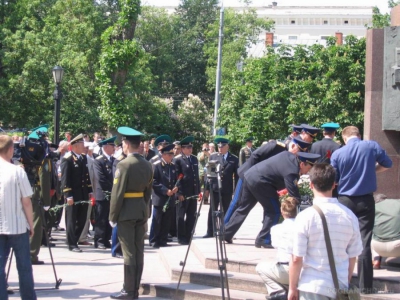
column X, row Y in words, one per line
column 57, row 100
column 218, row 82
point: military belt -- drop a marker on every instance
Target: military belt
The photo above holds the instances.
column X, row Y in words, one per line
column 134, row 195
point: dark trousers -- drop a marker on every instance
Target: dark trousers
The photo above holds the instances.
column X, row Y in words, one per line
column 234, row 202
column 59, row 212
column 185, row 225
column 160, row 224
column 364, row 208
column 76, row 216
column 172, row 227
column 214, row 203
column 268, row 198
column 131, row 237
column 102, row 230
column 36, row 240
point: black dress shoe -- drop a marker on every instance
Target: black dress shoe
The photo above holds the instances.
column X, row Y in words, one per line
column 156, row 245
column 52, row 239
column 228, row 241
column 269, row 246
column 277, row 296
column 169, row 240
column 164, row 245
column 10, row 292
column 75, row 249
column 125, row 295
column 207, row 236
column 183, row 243
column 37, row 262
column 50, row 244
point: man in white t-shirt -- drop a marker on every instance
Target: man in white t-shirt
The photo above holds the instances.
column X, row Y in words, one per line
column 16, row 220
column 310, row 275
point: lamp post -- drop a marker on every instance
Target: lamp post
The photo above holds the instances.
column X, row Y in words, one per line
column 58, row 73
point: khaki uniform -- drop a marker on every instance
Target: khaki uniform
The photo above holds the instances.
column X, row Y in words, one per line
column 130, row 196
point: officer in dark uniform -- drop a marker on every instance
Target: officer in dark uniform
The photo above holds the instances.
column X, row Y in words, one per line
column 309, row 133
column 327, row 145
column 130, row 196
column 261, row 183
column 116, row 250
column 103, row 166
column 188, row 165
column 246, row 151
column 164, row 191
column 296, row 130
column 76, row 186
column 229, row 165
column 160, row 141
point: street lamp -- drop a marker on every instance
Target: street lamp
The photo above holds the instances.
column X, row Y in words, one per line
column 58, row 73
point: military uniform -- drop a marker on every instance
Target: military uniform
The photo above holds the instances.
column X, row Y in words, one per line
column 188, row 186
column 261, row 183
column 229, row 179
column 103, row 166
column 245, row 152
column 129, row 210
column 326, row 146
column 262, row 153
column 75, row 182
column 296, row 130
column 116, row 250
column 164, row 179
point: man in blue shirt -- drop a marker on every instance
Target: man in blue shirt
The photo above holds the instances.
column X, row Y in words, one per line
column 356, row 167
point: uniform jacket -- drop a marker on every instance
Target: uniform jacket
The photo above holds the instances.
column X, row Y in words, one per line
column 164, row 179
column 103, row 177
column 149, row 155
column 228, row 172
column 190, row 184
column 75, row 180
column 262, row 153
column 325, row 148
column 244, row 154
column 280, row 171
column 116, row 161
column 134, row 174
column 155, row 158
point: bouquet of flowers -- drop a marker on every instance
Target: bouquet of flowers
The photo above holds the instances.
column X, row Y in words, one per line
column 306, row 193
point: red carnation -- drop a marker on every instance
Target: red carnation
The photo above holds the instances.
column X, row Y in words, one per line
column 180, row 176
column 92, row 200
column 282, row 192
column 328, row 154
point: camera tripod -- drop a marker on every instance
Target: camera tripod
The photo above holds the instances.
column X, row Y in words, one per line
column 44, row 228
column 219, row 232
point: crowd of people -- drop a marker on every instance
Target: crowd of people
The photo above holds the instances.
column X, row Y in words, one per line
column 158, row 177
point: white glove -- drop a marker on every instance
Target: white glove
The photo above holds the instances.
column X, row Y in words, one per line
column 113, row 224
column 46, row 208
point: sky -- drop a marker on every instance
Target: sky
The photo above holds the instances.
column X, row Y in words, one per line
column 382, row 4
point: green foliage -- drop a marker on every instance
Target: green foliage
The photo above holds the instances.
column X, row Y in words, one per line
column 241, row 31
column 380, row 20
column 297, row 85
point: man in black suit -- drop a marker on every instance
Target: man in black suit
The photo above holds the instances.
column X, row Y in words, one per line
column 188, row 165
column 76, row 186
column 148, row 153
column 229, row 165
column 103, row 169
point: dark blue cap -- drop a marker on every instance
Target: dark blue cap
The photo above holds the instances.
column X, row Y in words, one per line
column 309, row 158
column 167, row 149
column 313, row 131
column 165, row 139
column 330, row 127
column 110, row 141
column 303, row 145
column 187, row 141
column 297, row 128
column 250, row 139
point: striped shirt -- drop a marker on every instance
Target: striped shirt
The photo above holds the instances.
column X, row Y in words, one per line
column 309, row 243
column 14, row 185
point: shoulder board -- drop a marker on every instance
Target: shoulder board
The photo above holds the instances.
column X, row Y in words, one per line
column 121, row 157
column 234, row 155
column 68, row 154
column 193, row 155
column 99, row 157
column 280, row 144
column 178, row 156
column 157, row 162
column 172, row 163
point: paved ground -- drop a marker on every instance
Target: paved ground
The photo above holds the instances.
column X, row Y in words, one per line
column 94, row 274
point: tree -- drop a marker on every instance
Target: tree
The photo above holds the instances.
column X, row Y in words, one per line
column 298, row 85
column 241, row 31
column 53, row 33
column 380, row 20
